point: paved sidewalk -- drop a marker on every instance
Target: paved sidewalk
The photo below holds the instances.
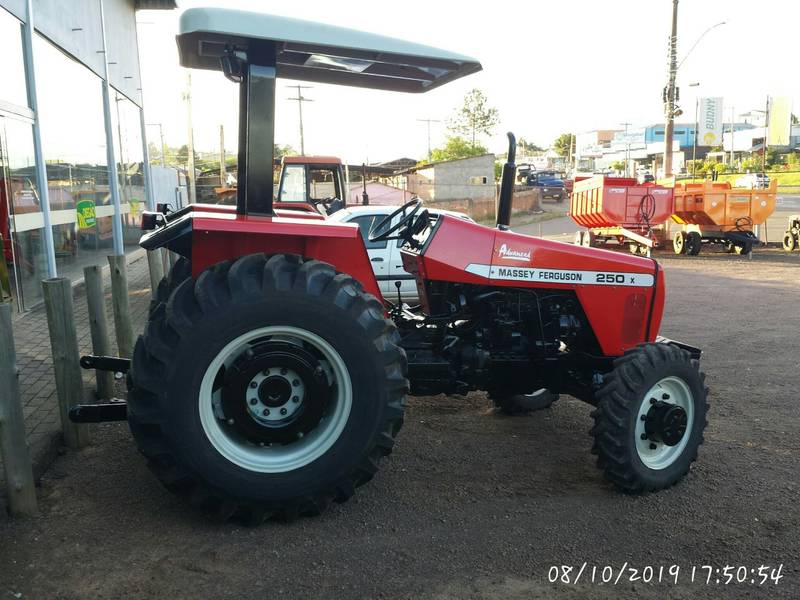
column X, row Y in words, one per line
column 36, row 378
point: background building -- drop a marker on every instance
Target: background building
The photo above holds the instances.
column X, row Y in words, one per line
column 59, row 207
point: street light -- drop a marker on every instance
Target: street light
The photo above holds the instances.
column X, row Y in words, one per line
column 697, row 41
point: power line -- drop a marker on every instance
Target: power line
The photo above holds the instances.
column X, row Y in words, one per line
column 300, row 99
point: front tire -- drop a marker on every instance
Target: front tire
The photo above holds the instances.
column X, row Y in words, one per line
column 267, row 387
column 650, row 416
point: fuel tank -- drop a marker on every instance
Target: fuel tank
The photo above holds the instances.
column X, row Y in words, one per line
column 622, row 295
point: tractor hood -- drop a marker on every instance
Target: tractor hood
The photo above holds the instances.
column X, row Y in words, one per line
column 622, row 295
column 312, row 51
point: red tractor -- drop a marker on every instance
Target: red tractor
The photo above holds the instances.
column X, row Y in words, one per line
column 272, row 375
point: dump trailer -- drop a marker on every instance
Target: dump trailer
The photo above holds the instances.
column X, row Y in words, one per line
column 621, row 211
column 713, row 212
column 272, row 375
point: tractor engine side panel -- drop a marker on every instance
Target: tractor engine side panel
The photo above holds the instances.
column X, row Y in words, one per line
column 621, row 295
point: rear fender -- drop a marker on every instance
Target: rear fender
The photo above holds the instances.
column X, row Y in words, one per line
column 210, row 237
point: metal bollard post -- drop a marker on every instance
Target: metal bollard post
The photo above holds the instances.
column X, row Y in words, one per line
column 121, row 305
column 156, row 266
column 98, row 325
column 64, row 346
column 13, row 445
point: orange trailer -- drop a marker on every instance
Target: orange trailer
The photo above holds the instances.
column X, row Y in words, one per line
column 714, row 212
column 620, row 210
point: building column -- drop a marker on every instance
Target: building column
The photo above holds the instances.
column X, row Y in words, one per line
column 113, row 178
column 41, row 169
column 148, row 174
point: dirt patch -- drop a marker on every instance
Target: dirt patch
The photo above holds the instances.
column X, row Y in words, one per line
column 472, row 504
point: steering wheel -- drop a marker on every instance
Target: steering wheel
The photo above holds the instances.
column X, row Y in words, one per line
column 384, row 229
column 330, row 204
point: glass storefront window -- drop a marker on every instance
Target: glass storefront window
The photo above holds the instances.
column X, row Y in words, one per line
column 130, row 160
column 12, row 65
column 21, row 220
column 73, row 142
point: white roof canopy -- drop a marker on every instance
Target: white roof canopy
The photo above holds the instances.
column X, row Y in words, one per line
column 312, row 51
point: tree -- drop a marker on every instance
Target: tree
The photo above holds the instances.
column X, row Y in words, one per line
column 475, row 117
column 565, row 144
column 618, row 165
column 182, row 155
column 286, row 150
column 527, row 148
column 457, row 147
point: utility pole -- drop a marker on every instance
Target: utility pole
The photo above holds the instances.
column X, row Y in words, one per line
column 429, row 121
column 190, row 144
column 222, row 156
column 696, row 126
column 161, row 135
column 766, row 130
column 569, row 154
column 732, row 147
column 300, row 99
column 670, row 92
column 627, row 149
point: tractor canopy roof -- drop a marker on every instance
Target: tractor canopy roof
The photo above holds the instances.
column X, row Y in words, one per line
column 311, row 51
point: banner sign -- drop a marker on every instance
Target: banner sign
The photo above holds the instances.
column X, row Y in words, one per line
column 709, row 130
column 86, row 213
column 779, row 126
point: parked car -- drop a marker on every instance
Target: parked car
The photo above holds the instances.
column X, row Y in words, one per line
column 757, row 181
column 645, row 178
column 385, row 256
column 549, row 184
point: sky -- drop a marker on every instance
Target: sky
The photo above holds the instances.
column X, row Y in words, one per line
column 548, row 67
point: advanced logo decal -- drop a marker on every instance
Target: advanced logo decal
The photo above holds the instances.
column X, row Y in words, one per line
column 561, row 276
column 511, row 254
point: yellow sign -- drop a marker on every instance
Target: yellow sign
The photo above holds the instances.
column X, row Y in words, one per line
column 779, row 126
column 87, row 217
column 135, row 208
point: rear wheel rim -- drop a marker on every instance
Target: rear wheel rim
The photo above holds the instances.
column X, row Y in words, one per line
column 284, row 457
column 670, row 390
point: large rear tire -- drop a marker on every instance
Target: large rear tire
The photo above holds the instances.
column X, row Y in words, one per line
column 789, row 241
column 650, row 416
column 180, row 271
column 267, row 387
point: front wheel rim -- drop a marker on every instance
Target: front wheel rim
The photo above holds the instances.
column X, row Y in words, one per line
column 655, row 454
column 275, row 457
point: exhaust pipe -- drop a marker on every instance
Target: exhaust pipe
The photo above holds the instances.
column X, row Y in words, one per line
column 507, row 185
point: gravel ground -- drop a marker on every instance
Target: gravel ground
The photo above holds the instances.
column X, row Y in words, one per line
column 473, row 504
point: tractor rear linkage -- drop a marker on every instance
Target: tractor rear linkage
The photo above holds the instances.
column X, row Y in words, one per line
column 115, row 409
